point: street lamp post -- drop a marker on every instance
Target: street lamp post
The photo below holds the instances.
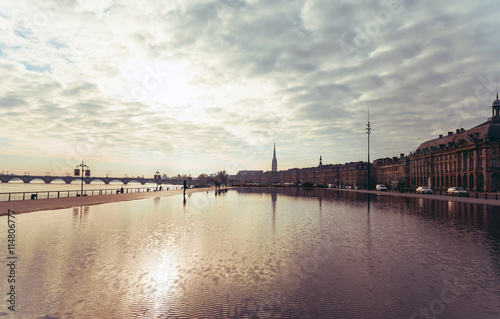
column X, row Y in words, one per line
column 368, row 132
column 87, row 173
column 157, row 177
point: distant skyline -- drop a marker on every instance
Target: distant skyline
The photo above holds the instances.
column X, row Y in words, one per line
column 199, row 86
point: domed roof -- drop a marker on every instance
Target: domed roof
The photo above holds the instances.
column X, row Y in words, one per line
column 496, row 102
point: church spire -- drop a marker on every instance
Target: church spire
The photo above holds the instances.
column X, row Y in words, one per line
column 320, row 161
column 274, row 165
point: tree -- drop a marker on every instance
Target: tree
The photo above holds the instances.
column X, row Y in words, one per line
column 202, row 179
column 221, row 177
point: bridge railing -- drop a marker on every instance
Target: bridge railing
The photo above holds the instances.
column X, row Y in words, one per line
column 73, row 193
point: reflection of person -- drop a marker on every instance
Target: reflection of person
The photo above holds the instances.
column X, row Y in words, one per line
column 121, row 190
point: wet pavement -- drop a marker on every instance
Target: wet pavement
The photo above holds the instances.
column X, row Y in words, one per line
column 261, row 253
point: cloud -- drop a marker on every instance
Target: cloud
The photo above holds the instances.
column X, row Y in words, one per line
column 206, row 84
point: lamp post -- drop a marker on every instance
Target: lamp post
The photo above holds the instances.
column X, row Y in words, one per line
column 368, row 132
column 77, row 172
column 157, row 177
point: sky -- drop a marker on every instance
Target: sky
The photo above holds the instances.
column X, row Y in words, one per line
column 200, row 86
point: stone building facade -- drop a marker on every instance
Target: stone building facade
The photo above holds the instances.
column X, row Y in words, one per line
column 464, row 158
column 333, row 175
column 247, row 177
column 393, row 172
column 353, row 174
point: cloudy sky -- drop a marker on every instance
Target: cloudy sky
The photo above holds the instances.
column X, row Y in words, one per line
column 198, row 86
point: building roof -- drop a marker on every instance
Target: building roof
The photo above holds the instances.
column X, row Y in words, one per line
column 489, row 129
column 496, row 103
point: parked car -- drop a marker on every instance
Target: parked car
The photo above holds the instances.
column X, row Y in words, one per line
column 424, row 190
column 381, row 187
column 457, row 191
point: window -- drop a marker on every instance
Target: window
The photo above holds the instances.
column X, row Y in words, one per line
column 494, row 163
column 493, row 150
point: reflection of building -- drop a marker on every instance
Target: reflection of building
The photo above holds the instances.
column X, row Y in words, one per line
column 466, row 158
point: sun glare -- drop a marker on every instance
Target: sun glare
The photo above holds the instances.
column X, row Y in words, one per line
column 159, row 82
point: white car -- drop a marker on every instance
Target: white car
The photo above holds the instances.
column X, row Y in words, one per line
column 424, row 190
column 381, row 187
column 457, row 191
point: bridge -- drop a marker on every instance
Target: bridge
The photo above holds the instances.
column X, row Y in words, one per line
column 87, row 180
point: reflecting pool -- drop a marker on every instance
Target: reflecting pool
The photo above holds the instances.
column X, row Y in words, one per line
column 259, row 253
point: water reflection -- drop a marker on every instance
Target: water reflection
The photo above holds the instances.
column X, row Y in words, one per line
column 80, row 215
column 274, row 198
column 261, row 253
column 485, row 217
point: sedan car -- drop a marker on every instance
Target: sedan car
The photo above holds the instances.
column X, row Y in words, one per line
column 424, row 190
column 381, row 187
column 457, row 191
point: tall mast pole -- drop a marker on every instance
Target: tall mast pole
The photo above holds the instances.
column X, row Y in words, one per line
column 368, row 132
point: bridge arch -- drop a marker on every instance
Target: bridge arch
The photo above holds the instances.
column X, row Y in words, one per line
column 73, row 180
column 116, row 181
column 57, row 180
column 34, row 179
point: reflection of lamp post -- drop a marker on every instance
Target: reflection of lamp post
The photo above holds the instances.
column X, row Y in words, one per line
column 77, row 173
column 368, row 131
